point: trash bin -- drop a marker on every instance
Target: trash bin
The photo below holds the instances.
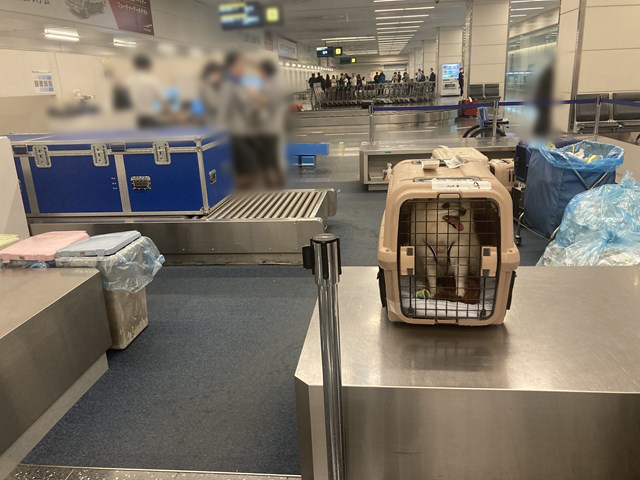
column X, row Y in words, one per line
column 556, row 175
column 40, row 250
column 128, row 263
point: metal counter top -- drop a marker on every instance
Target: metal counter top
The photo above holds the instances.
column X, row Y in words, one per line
column 426, row 145
column 26, row 292
column 569, row 329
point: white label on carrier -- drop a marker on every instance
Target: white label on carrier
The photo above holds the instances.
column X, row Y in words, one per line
column 448, row 184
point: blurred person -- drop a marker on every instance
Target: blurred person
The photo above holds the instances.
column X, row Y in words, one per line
column 269, row 127
column 145, row 93
column 381, row 78
column 333, row 80
column 359, row 81
column 210, row 91
column 461, row 81
column 405, row 77
column 238, row 115
column 327, row 81
column 421, row 76
column 543, row 95
column 312, row 80
column 432, row 80
column 376, row 77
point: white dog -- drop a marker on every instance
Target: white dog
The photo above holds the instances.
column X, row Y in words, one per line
column 446, row 242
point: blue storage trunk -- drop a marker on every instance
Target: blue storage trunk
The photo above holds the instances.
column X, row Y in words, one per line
column 170, row 171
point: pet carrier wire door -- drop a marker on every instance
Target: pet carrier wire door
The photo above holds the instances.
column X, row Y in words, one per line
column 446, row 245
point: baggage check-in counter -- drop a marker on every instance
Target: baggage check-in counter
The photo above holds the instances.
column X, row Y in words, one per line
column 53, row 338
column 375, row 156
column 552, row 394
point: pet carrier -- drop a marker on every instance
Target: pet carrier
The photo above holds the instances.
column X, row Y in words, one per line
column 503, row 170
column 446, row 249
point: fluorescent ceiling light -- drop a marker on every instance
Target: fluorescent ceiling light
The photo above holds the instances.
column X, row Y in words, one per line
column 400, row 23
column 521, row 15
column 403, row 9
column 527, row 8
column 117, row 42
column 61, row 34
column 406, row 16
column 397, row 29
column 340, row 39
column 531, row 1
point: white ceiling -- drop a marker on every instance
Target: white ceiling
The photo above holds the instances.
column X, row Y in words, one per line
column 307, row 21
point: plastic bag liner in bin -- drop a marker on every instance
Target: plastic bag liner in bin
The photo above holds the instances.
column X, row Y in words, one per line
column 131, row 269
column 601, row 227
column 556, row 175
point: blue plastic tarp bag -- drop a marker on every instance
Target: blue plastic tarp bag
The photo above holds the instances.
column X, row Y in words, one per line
column 556, row 175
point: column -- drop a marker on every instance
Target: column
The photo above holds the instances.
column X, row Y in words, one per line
column 428, row 56
column 488, row 38
column 598, row 51
column 449, row 49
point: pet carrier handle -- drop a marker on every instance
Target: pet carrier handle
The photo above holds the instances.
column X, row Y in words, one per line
column 322, row 256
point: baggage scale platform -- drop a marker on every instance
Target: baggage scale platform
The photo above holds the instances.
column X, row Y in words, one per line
column 254, row 227
column 552, row 394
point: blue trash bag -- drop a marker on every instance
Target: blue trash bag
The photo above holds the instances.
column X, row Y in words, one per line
column 600, row 227
column 556, row 175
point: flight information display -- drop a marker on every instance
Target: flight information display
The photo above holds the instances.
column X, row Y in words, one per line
column 250, row 14
column 323, row 52
column 347, row 60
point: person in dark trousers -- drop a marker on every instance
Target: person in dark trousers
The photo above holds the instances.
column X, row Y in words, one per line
column 543, row 95
column 320, row 80
column 432, row 80
column 461, row 81
column 312, row 80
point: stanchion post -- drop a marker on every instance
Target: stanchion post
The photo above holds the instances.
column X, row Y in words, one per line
column 322, row 257
column 596, row 125
column 495, row 118
column 371, row 126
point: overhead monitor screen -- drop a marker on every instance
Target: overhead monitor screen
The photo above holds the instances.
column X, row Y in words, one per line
column 347, row 60
column 250, row 14
column 323, row 52
column 450, row 71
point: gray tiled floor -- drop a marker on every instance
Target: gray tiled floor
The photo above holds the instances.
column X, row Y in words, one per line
column 37, row 472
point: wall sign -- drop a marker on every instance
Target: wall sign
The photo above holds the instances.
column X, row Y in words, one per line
column 129, row 15
column 43, row 81
column 287, row 49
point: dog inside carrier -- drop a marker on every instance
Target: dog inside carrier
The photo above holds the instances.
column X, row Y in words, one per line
column 446, row 248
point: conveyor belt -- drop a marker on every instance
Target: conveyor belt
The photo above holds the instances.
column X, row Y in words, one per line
column 286, row 204
column 257, row 227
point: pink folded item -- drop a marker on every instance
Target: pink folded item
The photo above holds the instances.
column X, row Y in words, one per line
column 42, row 247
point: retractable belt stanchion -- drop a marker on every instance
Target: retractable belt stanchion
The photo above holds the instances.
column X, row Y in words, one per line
column 323, row 258
column 596, row 125
column 371, row 136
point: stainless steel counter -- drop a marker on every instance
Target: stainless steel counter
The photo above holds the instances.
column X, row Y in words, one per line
column 554, row 393
column 375, row 156
column 53, row 338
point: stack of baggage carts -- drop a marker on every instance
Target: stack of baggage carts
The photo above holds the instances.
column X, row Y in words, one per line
column 354, row 96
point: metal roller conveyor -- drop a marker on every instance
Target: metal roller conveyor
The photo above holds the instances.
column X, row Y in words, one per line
column 252, row 227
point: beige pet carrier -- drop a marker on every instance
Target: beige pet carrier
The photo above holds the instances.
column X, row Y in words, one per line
column 504, row 171
column 446, row 249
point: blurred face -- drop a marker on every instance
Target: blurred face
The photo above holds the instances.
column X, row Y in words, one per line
column 239, row 68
